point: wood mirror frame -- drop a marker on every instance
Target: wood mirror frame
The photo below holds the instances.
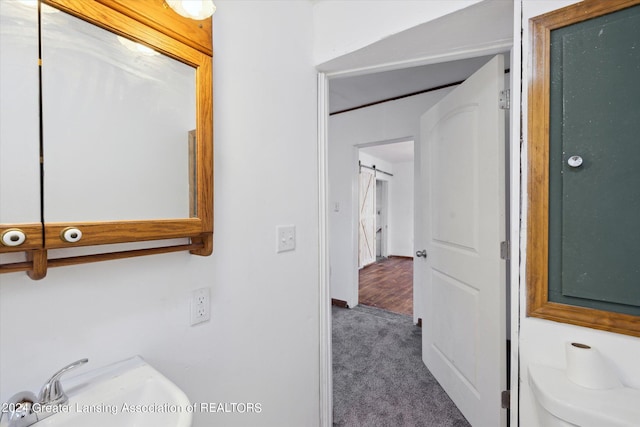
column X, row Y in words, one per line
column 537, row 265
column 151, row 23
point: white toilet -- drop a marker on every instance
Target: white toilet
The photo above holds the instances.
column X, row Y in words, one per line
column 562, row 403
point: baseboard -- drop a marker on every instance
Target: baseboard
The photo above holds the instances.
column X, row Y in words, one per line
column 339, row 303
column 400, row 256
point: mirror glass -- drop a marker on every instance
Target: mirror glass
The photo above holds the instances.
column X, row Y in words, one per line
column 111, row 109
column 19, row 133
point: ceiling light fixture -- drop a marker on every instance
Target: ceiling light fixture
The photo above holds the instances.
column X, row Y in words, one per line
column 193, row 9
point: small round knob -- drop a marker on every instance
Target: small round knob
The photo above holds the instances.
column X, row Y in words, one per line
column 575, row 161
column 71, row 235
column 13, row 237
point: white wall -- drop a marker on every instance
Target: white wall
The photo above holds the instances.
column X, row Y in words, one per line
column 541, row 341
column 401, row 210
column 342, row 26
column 261, row 344
column 369, row 160
column 388, row 121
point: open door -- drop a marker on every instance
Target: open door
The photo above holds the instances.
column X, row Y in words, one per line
column 463, row 214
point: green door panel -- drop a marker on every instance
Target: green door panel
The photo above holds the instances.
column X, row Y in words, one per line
column 594, row 209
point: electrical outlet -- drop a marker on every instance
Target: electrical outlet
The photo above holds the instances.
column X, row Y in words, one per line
column 200, row 306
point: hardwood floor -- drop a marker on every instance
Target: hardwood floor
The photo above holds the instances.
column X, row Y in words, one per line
column 388, row 284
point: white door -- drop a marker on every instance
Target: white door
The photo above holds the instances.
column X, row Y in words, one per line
column 367, row 219
column 463, row 214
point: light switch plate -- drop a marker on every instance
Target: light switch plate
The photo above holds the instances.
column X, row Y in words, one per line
column 286, row 235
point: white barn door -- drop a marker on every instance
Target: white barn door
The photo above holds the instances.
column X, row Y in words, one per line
column 367, row 220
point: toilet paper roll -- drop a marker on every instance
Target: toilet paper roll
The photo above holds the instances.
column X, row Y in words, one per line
column 587, row 368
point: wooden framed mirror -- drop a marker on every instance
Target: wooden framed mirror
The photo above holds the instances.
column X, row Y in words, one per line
column 583, row 231
column 102, row 184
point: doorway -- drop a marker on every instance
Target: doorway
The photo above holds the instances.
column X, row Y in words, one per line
column 478, row 39
column 382, row 193
column 425, row 101
column 386, row 281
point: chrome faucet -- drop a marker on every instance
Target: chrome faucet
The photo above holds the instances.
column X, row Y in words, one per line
column 25, row 408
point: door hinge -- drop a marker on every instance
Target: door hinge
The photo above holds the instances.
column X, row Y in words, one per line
column 504, row 101
column 504, row 250
column 506, row 399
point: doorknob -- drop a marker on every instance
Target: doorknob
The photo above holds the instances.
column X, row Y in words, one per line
column 575, row 161
column 422, row 253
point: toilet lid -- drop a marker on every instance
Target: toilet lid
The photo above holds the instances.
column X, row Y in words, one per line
column 619, row 407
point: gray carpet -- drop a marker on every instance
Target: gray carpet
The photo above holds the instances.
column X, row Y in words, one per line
column 378, row 375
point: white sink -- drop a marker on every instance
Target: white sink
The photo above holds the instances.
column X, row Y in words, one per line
column 128, row 393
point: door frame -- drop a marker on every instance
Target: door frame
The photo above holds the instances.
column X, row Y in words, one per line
column 513, row 230
column 382, row 203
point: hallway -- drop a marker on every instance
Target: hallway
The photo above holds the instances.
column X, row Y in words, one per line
column 379, row 378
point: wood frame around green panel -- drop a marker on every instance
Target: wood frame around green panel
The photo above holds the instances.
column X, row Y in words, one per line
column 538, row 304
